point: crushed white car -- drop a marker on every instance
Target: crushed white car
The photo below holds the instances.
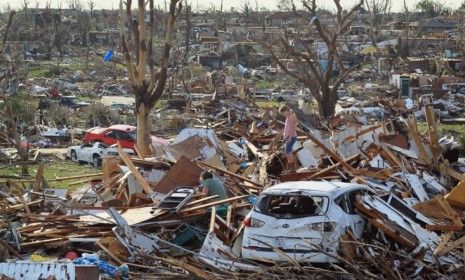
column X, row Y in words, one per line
column 92, row 152
column 301, row 219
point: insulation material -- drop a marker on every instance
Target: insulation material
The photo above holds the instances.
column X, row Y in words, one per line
column 305, row 156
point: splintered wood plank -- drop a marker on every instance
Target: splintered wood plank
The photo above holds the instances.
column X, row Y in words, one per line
column 413, row 131
column 140, row 179
column 113, row 256
column 451, row 213
column 452, row 246
column 432, row 132
column 443, row 243
column 231, row 174
column 215, row 203
column 332, row 154
column 211, row 228
column 139, row 154
column 39, row 179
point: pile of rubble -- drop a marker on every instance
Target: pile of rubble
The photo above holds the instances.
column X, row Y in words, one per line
column 401, row 210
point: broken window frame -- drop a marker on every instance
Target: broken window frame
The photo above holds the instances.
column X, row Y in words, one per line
column 319, row 211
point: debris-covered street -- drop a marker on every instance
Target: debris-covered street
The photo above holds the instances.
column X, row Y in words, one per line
column 165, row 140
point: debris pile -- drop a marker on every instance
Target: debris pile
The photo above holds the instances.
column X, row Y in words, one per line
column 149, row 216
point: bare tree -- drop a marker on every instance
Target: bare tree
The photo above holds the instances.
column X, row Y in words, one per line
column 378, row 10
column 91, row 5
column 322, row 82
column 14, row 109
column 246, row 9
column 285, row 5
column 7, row 30
column 188, row 33
column 148, row 83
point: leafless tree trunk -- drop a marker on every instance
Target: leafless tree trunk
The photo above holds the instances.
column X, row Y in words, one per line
column 13, row 135
column 247, row 10
column 7, row 30
column 378, row 10
column 10, row 120
column 147, row 86
column 322, row 83
column 91, row 8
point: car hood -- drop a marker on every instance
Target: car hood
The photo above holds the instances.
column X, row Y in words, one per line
column 157, row 142
column 96, row 130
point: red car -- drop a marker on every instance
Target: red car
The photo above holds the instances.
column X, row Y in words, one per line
column 126, row 134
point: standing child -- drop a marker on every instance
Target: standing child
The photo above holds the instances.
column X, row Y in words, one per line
column 289, row 136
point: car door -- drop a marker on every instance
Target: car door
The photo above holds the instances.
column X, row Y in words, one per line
column 84, row 151
column 111, row 137
column 126, row 139
column 346, row 202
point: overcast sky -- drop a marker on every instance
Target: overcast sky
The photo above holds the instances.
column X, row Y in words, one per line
column 270, row 4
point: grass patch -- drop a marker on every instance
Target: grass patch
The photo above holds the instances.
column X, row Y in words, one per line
column 267, row 103
column 458, row 130
column 85, row 85
column 54, row 170
column 455, row 129
column 39, row 72
column 265, row 84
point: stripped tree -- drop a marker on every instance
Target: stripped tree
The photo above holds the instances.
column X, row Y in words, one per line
column 378, row 10
column 322, row 82
column 14, row 110
column 147, row 81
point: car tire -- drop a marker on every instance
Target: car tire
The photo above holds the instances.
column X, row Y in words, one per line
column 96, row 161
column 73, row 156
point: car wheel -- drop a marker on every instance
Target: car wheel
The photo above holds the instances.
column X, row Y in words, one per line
column 96, row 161
column 73, row 156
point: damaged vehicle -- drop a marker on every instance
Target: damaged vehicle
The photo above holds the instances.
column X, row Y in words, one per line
column 92, row 152
column 125, row 134
column 304, row 220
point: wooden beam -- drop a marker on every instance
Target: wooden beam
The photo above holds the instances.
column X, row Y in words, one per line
column 332, row 154
column 41, row 242
column 21, row 206
column 334, row 166
column 413, row 132
column 215, row 203
column 443, row 243
column 230, row 173
column 363, row 131
column 113, row 256
column 433, row 133
column 140, row 179
column 452, row 246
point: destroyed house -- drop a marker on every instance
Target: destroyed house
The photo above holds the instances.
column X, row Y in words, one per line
column 210, row 60
column 10, row 84
column 32, row 47
column 418, row 64
column 269, row 34
column 108, row 37
column 209, row 44
column 435, row 25
column 42, row 19
column 359, row 30
column 394, row 25
column 280, row 19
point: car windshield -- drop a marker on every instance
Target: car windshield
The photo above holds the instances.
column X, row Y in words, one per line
column 292, row 206
column 132, row 134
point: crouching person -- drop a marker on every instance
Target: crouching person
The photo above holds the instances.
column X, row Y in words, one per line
column 213, row 186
